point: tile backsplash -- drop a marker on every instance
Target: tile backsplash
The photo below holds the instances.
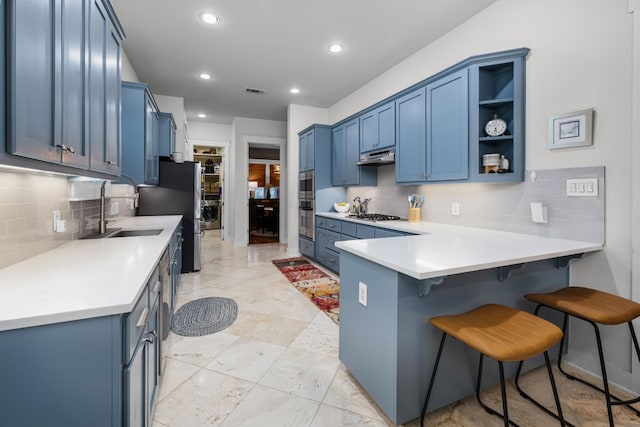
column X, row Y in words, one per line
column 503, row 207
column 27, row 201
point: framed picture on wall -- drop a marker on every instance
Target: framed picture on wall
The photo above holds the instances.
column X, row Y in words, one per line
column 571, row 129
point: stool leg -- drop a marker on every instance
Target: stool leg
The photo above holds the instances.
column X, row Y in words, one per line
column 608, row 395
column 559, row 416
column 503, row 391
column 431, row 381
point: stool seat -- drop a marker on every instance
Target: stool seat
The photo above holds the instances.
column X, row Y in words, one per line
column 500, row 332
column 589, row 304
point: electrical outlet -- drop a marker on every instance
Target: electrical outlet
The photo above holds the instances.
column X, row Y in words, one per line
column 362, row 293
column 455, row 208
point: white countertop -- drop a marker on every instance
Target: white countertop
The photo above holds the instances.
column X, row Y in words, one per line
column 83, row 278
column 441, row 249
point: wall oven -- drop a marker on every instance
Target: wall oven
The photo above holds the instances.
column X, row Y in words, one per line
column 306, row 205
column 306, row 186
column 306, row 218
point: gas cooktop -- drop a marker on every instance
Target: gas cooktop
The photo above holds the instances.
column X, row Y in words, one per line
column 375, row 217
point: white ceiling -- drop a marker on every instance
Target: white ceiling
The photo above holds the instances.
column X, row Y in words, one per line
column 275, row 45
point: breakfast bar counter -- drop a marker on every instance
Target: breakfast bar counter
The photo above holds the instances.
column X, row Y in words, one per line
column 389, row 288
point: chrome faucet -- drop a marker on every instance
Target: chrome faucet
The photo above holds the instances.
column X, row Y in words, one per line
column 102, row 222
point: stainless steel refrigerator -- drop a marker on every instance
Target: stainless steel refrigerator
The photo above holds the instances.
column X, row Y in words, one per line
column 178, row 193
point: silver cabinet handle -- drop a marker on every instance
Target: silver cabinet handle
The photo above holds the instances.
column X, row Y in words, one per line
column 144, row 316
column 61, row 147
column 156, row 288
column 71, row 150
column 111, row 163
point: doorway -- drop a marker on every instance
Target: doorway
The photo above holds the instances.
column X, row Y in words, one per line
column 264, row 194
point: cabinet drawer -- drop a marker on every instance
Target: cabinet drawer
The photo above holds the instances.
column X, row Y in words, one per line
column 385, row 232
column 334, row 224
column 135, row 323
column 333, row 260
column 349, row 228
column 332, row 238
column 306, row 247
column 321, row 222
column 365, row 231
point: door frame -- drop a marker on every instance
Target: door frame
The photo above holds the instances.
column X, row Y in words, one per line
column 244, row 214
column 225, row 145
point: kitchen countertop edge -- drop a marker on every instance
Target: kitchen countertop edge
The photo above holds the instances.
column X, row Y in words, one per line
column 84, row 279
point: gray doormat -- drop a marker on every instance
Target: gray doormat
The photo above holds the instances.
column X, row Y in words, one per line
column 204, row 316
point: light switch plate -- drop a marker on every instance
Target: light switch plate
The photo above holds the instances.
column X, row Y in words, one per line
column 584, row 187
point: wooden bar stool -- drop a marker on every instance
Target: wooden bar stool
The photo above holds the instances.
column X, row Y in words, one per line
column 595, row 307
column 504, row 334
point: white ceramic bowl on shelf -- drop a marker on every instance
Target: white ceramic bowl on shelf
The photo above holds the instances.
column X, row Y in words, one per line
column 342, row 208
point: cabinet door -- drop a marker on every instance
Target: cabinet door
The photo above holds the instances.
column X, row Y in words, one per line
column 153, row 365
column 31, row 72
column 448, row 128
column 351, row 153
column 112, row 103
column 135, row 388
column 104, row 89
column 307, row 158
column 338, row 150
column 321, row 243
column 410, row 137
column 71, row 92
column 150, row 143
column 377, row 128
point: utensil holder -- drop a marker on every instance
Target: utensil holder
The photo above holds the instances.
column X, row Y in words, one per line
column 414, row 215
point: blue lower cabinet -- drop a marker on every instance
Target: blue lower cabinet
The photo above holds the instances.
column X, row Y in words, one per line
column 385, row 232
column 306, row 247
column 333, row 260
column 101, row 371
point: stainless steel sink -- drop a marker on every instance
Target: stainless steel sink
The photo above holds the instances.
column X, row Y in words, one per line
column 136, row 233
column 118, row 232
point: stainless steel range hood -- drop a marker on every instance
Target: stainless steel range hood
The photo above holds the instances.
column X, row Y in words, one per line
column 382, row 157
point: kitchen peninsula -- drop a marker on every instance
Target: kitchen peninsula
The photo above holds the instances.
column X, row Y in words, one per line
column 391, row 287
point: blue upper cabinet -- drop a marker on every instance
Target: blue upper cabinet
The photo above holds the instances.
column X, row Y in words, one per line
column 345, row 153
column 377, row 128
column 104, row 90
column 497, row 90
column 307, row 147
column 31, row 79
column 167, row 134
column 49, row 83
column 448, row 128
column 139, row 133
column 410, row 137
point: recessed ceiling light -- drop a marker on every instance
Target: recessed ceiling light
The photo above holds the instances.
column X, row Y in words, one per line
column 202, row 115
column 209, row 18
column 205, row 76
column 294, row 90
column 335, row 48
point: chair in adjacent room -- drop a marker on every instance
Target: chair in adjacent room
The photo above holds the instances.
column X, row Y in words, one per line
column 596, row 308
column 504, row 334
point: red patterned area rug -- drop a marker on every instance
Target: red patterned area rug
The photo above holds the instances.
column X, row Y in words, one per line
column 323, row 290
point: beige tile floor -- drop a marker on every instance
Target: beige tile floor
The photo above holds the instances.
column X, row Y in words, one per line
column 278, row 365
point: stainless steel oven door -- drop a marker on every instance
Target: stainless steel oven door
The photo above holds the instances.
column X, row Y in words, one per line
column 306, row 222
column 306, row 186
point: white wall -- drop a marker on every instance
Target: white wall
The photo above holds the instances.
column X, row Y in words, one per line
column 242, row 132
column 127, row 72
column 209, row 131
column 580, row 58
column 299, row 117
